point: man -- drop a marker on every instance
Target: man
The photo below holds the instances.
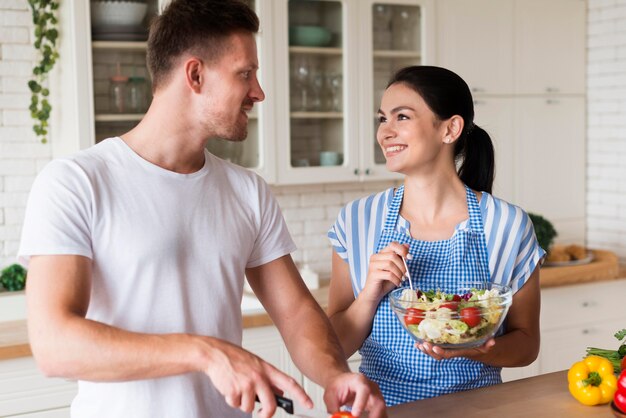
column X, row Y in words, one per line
column 137, row 249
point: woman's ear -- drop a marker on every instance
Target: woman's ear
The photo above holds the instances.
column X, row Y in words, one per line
column 193, row 73
column 454, row 128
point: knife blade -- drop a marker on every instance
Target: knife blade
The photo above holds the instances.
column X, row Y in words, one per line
column 295, row 409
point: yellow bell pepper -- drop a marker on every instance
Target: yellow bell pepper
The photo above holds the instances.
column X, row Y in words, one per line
column 591, row 381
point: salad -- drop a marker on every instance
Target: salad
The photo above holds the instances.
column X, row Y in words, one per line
column 448, row 319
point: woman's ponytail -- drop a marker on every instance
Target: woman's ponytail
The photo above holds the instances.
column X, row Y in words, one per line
column 475, row 158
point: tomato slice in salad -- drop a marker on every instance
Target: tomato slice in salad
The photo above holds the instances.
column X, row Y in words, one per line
column 470, row 315
column 413, row 316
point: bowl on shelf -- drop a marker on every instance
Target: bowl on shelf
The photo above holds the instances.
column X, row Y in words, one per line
column 309, row 36
column 117, row 13
column 462, row 320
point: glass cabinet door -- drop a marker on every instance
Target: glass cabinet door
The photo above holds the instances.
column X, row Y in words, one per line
column 121, row 84
column 245, row 153
column 122, row 87
column 315, row 90
column 396, row 38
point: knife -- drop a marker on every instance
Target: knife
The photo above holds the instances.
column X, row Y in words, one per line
column 293, row 408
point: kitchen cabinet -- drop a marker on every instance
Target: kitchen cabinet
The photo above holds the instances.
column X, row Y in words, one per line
column 514, row 46
column 573, row 318
column 496, row 116
column 550, row 46
column 332, row 91
column 25, row 392
column 475, row 39
column 525, row 65
column 317, row 123
column 550, row 156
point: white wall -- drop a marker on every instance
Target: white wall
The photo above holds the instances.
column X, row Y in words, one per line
column 606, row 144
column 310, row 210
column 21, row 156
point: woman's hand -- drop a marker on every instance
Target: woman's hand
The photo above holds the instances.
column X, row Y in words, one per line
column 439, row 353
column 385, row 272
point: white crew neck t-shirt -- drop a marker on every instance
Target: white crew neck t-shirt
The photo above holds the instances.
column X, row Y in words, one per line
column 169, row 254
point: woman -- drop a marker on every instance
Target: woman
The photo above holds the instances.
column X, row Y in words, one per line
column 448, row 228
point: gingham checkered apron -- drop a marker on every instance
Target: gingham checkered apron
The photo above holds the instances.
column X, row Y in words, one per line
column 390, row 358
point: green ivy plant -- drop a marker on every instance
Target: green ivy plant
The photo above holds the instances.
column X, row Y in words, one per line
column 46, row 34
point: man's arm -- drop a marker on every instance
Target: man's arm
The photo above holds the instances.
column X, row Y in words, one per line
column 309, row 337
column 66, row 344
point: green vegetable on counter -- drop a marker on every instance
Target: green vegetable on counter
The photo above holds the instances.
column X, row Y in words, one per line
column 616, row 357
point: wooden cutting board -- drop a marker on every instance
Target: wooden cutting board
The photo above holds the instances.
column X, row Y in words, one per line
column 605, row 266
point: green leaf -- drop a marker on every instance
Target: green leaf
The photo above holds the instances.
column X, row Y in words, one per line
column 620, row 334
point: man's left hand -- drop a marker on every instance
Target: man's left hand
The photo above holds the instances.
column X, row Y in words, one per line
column 355, row 390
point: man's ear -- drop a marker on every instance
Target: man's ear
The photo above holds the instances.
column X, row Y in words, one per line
column 193, row 73
column 454, row 128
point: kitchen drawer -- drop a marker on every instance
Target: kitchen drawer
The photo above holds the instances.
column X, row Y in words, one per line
column 25, row 390
column 566, row 306
column 560, row 348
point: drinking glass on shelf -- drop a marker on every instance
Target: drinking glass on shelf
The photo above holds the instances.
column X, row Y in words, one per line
column 318, row 91
column 403, row 28
column 382, row 26
column 334, row 82
column 301, row 74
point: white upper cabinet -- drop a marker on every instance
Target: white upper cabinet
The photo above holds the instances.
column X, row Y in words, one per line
column 495, row 115
column 514, row 46
column 475, row 40
column 550, row 150
column 333, row 59
column 548, row 53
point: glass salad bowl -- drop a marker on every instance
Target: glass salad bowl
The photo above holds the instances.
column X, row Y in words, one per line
column 462, row 320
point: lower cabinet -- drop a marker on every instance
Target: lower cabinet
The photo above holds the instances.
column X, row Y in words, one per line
column 25, row 392
column 573, row 318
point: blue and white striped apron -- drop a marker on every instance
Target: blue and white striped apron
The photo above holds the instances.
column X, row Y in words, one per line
column 390, row 358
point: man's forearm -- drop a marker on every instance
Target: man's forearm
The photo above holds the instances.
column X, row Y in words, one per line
column 78, row 348
column 313, row 345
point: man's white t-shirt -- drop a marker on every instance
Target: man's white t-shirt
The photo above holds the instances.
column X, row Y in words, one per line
column 169, row 253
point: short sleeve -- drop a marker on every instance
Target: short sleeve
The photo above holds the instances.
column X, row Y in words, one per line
column 58, row 213
column 273, row 239
column 337, row 235
column 529, row 256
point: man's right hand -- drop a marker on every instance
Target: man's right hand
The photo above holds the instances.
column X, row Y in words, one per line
column 241, row 377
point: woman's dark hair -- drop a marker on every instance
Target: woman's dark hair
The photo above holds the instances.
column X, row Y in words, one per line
column 195, row 26
column 446, row 94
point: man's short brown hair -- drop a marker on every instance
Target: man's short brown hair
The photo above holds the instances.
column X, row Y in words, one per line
column 198, row 27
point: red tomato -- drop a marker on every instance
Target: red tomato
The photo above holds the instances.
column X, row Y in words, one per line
column 623, row 365
column 413, row 316
column 342, row 414
column 456, row 298
column 471, row 316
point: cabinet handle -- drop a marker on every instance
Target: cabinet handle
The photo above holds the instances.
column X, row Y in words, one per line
column 356, row 171
column 552, row 90
column 479, row 102
column 587, row 304
column 368, row 172
column 478, row 90
column 552, row 102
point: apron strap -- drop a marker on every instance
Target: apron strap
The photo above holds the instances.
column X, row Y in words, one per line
column 473, row 208
column 394, row 209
